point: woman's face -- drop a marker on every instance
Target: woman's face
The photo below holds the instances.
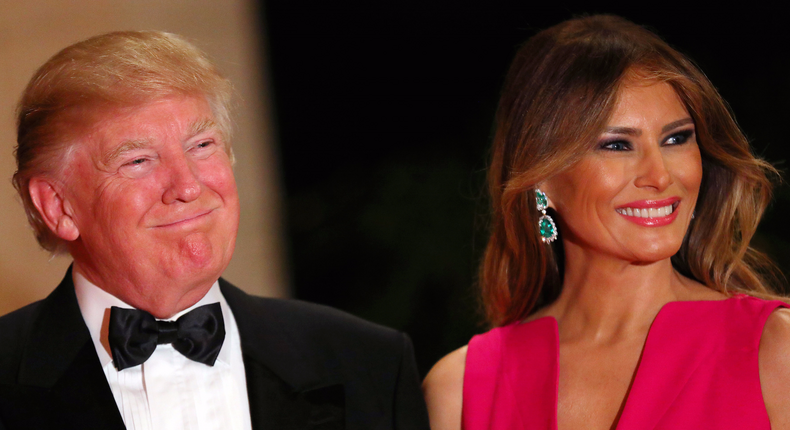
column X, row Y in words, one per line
column 633, row 196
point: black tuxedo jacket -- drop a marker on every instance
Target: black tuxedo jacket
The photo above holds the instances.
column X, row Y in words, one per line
column 307, row 367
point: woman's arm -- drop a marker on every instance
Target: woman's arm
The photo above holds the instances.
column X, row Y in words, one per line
column 443, row 389
column 775, row 368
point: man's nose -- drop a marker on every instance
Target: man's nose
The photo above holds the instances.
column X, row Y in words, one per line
column 653, row 171
column 184, row 185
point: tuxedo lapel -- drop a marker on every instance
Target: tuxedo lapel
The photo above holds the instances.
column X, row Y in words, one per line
column 324, row 407
column 282, row 394
column 61, row 383
column 275, row 405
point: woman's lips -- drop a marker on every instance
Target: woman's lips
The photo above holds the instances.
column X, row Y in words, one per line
column 651, row 213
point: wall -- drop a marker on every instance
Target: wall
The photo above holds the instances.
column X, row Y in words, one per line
column 32, row 31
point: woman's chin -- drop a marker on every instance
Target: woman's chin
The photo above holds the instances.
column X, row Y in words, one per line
column 655, row 255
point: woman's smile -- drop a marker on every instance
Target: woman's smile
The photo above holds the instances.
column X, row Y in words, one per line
column 651, row 213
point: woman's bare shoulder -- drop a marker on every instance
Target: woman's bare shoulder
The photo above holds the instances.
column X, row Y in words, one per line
column 443, row 389
column 775, row 367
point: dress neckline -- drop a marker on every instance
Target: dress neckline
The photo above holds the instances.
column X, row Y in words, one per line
column 665, row 305
column 552, row 324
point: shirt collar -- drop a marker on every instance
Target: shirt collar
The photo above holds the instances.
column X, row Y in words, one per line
column 95, row 305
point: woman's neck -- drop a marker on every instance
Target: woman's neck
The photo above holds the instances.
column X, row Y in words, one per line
column 605, row 298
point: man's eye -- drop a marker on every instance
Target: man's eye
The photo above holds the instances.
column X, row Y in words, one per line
column 204, row 144
column 137, row 161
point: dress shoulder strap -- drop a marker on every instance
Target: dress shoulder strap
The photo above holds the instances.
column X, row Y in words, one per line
column 700, row 365
column 746, row 317
column 510, row 378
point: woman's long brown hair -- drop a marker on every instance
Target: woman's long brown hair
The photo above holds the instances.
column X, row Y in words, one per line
column 558, row 96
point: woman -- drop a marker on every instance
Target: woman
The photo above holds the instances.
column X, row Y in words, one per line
column 643, row 313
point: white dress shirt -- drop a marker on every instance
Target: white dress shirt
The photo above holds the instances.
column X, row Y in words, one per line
column 170, row 391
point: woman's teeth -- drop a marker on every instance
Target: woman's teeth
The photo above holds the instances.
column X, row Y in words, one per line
column 647, row 212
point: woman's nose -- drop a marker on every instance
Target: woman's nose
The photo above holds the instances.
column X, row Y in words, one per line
column 653, row 171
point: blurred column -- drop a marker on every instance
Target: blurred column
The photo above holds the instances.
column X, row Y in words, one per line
column 32, row 31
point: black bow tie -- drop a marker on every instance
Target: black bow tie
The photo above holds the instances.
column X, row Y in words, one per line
column 134, row 335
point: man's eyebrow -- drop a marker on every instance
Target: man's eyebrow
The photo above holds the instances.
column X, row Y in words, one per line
column 202, row 125
column 195, row 128
column 123, row 148
column 676, row 124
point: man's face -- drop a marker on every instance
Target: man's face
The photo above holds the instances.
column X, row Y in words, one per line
column 152, row 194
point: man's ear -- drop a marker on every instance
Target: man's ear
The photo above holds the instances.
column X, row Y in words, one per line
column 53, row 208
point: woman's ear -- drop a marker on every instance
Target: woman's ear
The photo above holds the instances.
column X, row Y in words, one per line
column 53, row 208
column 546, row 188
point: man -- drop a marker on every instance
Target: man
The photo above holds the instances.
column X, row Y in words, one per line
column 124, row 161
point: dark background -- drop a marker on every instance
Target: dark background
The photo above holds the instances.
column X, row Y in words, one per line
column 384, row 114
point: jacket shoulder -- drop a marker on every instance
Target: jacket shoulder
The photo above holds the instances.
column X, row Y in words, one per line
column 15, row 329
column 308, row 327
column 313, row 319
column 323, row 319
column 311, row 347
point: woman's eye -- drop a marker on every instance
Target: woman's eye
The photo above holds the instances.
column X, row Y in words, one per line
column 679, row 138
column 616, row 145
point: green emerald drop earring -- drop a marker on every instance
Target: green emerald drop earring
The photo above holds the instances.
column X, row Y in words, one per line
column 548, row 230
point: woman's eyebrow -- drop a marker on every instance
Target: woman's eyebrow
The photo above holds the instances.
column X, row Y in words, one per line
column 676, row 124
column 630, row 131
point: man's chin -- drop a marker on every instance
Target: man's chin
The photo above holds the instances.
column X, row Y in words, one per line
column 196, row 250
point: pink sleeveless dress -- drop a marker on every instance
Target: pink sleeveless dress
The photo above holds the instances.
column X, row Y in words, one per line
column 699, row 370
